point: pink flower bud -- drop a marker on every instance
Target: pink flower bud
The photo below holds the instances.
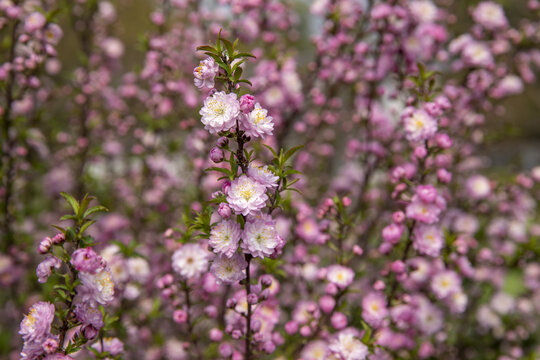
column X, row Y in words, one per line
column 211, row 311
column 215, row 334
column 305, row 331
column 379, row 285
column 420, row 152
column 398, row 217
column 443, row 140
column 247, row 103
column 45, row 245
column 331, row 289
column 224, row 210
column 327, row 303
column 252, row 299
column 398, row 266
column 216, row 155
column 291, row 327
column 179, row 316
column 338, row 320
column 357, row 250
column 225, row 350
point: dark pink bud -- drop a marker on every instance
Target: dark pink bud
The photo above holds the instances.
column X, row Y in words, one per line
column 224, row 210
column 216, row 155
column 180, row 316
column 247, row 103
column 327, row 303
column 338, row 320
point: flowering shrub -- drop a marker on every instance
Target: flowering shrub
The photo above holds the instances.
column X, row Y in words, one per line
column 324, row 180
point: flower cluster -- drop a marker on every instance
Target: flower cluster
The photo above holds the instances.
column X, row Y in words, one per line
column 78, row 305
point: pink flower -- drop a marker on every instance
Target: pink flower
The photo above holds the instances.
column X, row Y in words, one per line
column 190, row 261
column 348, row 346
column 428, row 239
column 478, row 187
column 86, row 260
column 445, row 283
column 205, row 73
column 34, row 21
column 224, row 238
column 246, row 195
column 96, row 288
column 427, row 213
column 340, row 275
column 374, row 308
column 476, row 53
column 419, row 125
column 229, row 269
column 490, row 15
column 112, row 345
column 260, row 238
column 263, row 175
column 392, row 233
column 257, row 123
column 220, row 112
column 44, row 269
column 37, row 323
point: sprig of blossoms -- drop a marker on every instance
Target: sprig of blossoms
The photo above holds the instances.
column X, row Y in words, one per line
column 250, row 192
column 87, row 286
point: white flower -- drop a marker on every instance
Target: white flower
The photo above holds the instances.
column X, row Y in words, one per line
column 97, row 287
column 205, row 73
column 263, row 175
column 348, row 347
column 429, row 319
column 478, row 187
column 118, row 268
column 246, row 195
column 340, row 275
column 477, row 54
column 138, row 269
column 490, row 15
column 219, row 112
column 419, row 126
column 502, row 303
column 423, row 11
column 445, row 283
column 224, row 237
column 315, row 350
column 191, row 260
column 458, row 301
column 257, row 123
column 229, row 270
column 260, row 238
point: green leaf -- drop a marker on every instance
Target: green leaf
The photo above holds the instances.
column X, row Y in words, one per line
column 272, row 150
column 228, row 46
column 86, row 225
column 238, row 74
column 245, row 55
column 68, row 217
column 245, row 81
column 72, row 202
column 208, row 48
column 291, row 152
column 58, row 228
column 84, row 204
column 95, row 209
column 225, row 67
column 237, row 64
